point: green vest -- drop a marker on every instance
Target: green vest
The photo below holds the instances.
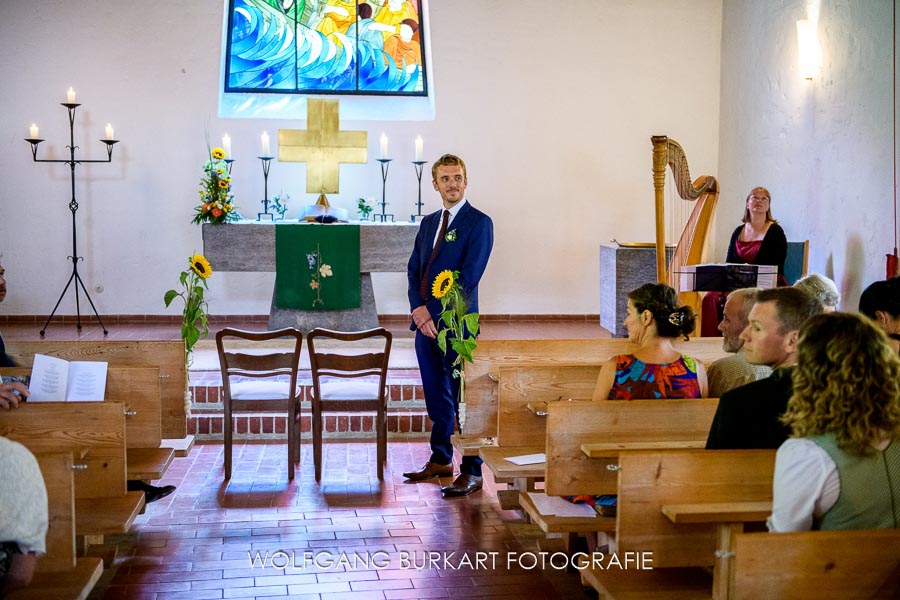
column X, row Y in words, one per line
column 869, row 497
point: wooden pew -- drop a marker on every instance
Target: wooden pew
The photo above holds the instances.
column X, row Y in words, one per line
column 482, row 377
column 168, row 356
column 522, row 429
column 648, row 481
column 616, row 424
column 59, row 574
column 137, row 389
column 94, row 431
column 827, row 565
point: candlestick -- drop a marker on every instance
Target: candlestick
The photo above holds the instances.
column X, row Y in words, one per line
column 384, row 146
column 71, row 107
column 385, row 165
column 419, row 165
column 33, row 131
column 109, row 131
column 226, row 145
column 419, row 148
column 266, row 162
column 266, row 149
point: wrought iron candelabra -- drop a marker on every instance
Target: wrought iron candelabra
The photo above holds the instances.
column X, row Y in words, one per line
column 73, row 206
column 385, row 165
column 419, row 204
column 266, row 162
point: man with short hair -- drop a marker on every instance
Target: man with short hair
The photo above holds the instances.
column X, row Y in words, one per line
column 11, row 392
column 734, row 371
column 750, row 416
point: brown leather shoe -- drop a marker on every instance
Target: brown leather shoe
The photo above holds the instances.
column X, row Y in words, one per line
column 429, row 471
column 463, row 485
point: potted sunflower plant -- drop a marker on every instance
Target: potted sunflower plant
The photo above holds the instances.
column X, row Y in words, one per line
column 460, row 328
column 194, row 317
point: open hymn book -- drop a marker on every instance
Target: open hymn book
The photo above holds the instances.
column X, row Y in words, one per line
column 58, row 380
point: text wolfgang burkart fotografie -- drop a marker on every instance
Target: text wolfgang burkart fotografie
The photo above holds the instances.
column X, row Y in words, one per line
column 447, row 560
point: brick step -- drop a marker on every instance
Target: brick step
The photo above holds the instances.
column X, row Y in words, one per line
column 207, row 426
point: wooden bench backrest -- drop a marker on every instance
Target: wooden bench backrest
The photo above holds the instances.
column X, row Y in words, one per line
column 95, row 427
column 56, row 467
column 571, row 424
column 649, row 480
column 818, row 564
column 138, row 389
column 519, row 386
column 168, row 356
column 482, row 396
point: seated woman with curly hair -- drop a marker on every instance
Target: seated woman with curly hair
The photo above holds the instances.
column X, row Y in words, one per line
column 655, row 369
column 841, row 467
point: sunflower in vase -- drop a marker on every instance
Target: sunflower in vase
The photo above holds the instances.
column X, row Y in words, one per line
column 216, row 200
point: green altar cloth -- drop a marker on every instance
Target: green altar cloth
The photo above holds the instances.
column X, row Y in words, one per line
column 317, row 266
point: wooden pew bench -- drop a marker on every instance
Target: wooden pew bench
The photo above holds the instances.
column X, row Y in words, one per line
column 59, row 574
column 617, row 425
column 167, row 356
column 826, row 565
column 681, row 552
column 96, row 431
column 137, row 390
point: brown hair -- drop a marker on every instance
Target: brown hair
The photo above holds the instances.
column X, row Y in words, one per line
column 794, row 306
column 846, row 382
column 769, row 218
column 448, row 160
column 671, row 320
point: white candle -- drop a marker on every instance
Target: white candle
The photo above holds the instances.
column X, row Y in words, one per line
column 109, row 131
column 226, row 145
column 419, row 148
column 266, row 149
column 33, row 130
column 70, row 96
column 384, row 145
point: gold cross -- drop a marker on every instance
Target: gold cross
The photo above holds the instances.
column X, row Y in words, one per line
column 322, row 146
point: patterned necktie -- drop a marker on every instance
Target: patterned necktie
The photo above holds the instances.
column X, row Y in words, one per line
column 424, row 285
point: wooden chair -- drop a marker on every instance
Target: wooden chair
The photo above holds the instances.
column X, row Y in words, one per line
column 328, row 393
column 261, row 396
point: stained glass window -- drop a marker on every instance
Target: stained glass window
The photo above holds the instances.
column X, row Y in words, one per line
column 326, row 46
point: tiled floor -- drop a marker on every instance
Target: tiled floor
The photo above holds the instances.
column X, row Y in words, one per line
column 198, row 543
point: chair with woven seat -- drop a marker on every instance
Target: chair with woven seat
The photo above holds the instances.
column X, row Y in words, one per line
column 338, row 384
column 262, row 387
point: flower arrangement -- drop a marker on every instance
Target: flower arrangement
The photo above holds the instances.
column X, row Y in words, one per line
column 460, row 328
column 279, row 204
column 216, row 199
column 193, row 280
column 364, row 208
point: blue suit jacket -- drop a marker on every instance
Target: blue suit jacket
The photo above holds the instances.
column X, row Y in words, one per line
column 468, row 254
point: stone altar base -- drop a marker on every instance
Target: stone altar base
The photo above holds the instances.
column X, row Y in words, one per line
column 622, row 269
column 354, row 319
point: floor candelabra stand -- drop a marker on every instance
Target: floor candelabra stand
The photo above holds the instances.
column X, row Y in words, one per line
column 73, row 206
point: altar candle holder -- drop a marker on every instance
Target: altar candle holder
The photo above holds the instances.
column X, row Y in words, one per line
column 73, row 207
column 385, row 165
column 228, row 163
column 266, row 162
column 418, row 166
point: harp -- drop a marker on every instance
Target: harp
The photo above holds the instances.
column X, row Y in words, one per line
column 704, row 191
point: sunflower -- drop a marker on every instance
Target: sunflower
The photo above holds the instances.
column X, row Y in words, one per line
column 223, row 184
column 218, row 153
column 442, row 284
column 200, row 266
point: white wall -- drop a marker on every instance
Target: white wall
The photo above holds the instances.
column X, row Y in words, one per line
column 553, row 115
column 821, row 147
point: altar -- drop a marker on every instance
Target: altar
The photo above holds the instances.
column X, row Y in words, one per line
column 249, row 246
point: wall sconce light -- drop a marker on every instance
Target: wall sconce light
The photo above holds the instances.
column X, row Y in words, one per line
column 808, row 48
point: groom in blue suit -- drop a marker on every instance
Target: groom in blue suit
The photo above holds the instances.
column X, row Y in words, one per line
column 457, row 238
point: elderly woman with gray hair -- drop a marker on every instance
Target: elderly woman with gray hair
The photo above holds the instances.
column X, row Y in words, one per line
column 824, row 289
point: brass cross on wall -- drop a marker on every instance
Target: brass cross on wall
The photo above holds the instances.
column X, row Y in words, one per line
column 322, row 146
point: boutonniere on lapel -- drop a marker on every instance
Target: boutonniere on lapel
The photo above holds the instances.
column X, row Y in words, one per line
column 450, row 236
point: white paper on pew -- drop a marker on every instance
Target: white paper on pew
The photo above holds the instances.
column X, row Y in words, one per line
column 556, row 506
column 528, row 459
column 49, row 376
column 87, row 381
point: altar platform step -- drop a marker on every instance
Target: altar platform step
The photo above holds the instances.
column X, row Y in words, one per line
column 407, row 416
